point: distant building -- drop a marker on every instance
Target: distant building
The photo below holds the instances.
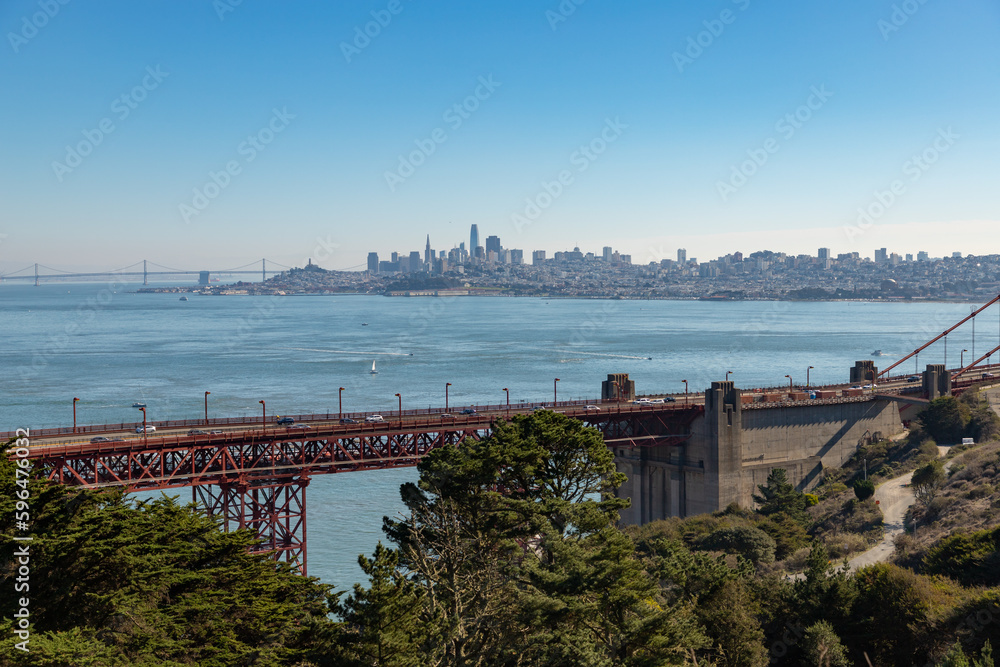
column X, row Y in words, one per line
column 894, row 259
column 607, row 253
column 881, row 256
column 474, row 239
column 416, row 266
column 493, row 244
column 682, row 255
column 373, row 262
column 428, row 253
column 909, row 257
column 824, row 253
column 537, row 256
column 923, row 256
column 956, row 255
column 516, row 256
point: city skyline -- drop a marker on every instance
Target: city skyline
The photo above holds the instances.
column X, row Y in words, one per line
column 710, row 127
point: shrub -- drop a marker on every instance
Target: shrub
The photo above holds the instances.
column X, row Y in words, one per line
column 864, row 489
column 970, row 558
column 752, row 543
column 834, row 489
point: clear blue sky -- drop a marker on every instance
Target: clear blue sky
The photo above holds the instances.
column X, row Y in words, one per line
column 319, row 188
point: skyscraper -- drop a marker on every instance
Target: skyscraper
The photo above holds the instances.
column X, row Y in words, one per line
column 824, row 253
column 493, row 244
column 373, row 262
column 474, row 239
column 682, row 255
column 881, row 256
column 607, row 253
column 428, row 256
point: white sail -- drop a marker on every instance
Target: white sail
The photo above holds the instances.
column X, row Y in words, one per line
column 373, row 368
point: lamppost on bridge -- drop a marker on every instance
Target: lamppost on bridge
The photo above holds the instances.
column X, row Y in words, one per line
column 961, row 359
column 446, row 385
column 400, row 408
column 807, row 374
column 789, row 382
column 340, row 404
column 555, row 391
column 685, row 391
column 263, row 416
column 873, row 379
column 206, row 407
column 507, row 391
column 74, row 414
column 728, row 373
column 144, row 434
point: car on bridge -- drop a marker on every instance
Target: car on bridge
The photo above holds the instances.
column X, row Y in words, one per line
column 196, row 431
column 447, row 415
column 914, row 378
column 286, row 421
column 374, row 419
column 301, row 426
column 987, row 375
column 669, row 399
column 149, row 429
column 593, row 407
column 100, row 438
column 348, row 420
column 469, row 411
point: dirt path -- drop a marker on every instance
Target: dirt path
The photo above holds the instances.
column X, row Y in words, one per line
column 895, row 497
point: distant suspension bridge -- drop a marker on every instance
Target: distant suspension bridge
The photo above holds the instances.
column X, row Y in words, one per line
column 33, row 272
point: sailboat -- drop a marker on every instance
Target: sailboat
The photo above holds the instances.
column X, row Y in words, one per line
column 373, row 371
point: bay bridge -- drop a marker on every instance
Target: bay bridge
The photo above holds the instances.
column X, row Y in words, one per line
column 36, row 272
column 683, row 454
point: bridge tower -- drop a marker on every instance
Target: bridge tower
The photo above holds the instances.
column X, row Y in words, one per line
column 263, row 270
column 145, row 276
column 36, row 274
column 273, row 508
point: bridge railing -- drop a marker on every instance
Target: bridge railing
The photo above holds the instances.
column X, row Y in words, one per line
column 327, row 416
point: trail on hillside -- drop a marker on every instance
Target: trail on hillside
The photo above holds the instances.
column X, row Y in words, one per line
column 895, row 497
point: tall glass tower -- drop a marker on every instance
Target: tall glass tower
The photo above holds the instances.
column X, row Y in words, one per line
column 474, row 239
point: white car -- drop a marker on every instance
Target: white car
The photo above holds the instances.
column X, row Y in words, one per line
column 593, row 407
column 149, row 429
column 374, row 418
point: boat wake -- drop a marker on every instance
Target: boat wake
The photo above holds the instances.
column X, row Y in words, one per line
column 351, row 352
column 612, row 356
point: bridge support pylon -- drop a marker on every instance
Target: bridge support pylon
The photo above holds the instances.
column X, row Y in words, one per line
column 274, row 508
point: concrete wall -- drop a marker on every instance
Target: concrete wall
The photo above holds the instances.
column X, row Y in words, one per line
column 732, row 450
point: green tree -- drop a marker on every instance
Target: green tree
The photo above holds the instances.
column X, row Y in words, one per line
column 955, row 657
column 927, row 480
column 748, row 541
column 864, row 489
column 115, row 582
column 985, row 656
column 821, row 647
column 945, row 419
column 778, row 496
column 383, row 623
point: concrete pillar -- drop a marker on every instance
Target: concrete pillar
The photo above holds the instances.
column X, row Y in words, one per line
column 724, row 462
column 937, row 381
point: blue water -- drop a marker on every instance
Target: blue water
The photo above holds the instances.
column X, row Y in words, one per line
column 110, row 347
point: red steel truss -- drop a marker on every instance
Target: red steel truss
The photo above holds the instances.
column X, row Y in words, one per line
column 256, row 479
